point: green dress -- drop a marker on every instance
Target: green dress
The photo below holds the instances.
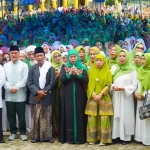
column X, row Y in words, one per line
column 99, row 126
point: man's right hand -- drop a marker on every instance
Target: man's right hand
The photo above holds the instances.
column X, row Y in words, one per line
column 13, row 90
column 42, row 93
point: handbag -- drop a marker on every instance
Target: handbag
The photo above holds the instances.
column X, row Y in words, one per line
column 144, row 111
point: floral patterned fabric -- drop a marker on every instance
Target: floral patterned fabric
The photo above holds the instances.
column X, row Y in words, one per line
column 99, row 129
column 99, row 126
column 41, row 122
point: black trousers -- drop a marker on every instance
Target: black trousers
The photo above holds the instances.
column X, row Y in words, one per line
column 1, row 130
column 18, row 108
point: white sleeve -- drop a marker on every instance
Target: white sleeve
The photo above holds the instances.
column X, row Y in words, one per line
column 131, row 88
column 2, row 76
column 6, row 85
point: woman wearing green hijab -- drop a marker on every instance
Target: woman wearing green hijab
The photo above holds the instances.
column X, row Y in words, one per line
column 113, row 55
column 56, row 61
column 124, row 84
column 139, row 47
column 73, row 77
column 148, row 51
column 102, row 38
column 142, row 131
column 137, row 61
column 82, row 53
column 36, row 42
column 92, row 53
column 99, row 105
column 64, row 40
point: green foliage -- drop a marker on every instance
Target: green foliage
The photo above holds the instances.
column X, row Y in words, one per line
column 110, row 2
column 120, row 1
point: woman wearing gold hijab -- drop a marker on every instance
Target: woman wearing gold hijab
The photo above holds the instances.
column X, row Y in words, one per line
column 99, row 106
column 82, row 54
column 92, row 53
column 113, row 55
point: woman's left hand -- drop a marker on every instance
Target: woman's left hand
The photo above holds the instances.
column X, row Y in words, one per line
column 75, row 70
column 98, row 97
column 57, row 75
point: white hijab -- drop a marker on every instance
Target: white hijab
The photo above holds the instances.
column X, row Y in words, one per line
column 48, row 54
column 43, row 71
column 129, row 48
column 142, row 41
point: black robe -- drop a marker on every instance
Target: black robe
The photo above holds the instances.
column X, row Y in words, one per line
column 73, row 121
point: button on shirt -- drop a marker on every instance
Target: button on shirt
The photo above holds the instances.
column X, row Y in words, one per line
column 16, row 76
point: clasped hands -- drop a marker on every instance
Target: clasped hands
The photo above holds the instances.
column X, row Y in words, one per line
column 116, row 88
column 40, row 94
column 73, row 70
column 57, row 74
column 13, row 90
column 97, row 97
column 140, row 98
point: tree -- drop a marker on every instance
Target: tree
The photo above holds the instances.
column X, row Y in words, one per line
column 110, row 2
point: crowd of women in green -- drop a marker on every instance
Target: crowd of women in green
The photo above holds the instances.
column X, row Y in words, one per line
column 96, row 99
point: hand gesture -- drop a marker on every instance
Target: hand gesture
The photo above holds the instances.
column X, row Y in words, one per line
column 71, row 71
column 138, row 97
column 42, row 93
column 116, row 88
column 57, row 75
column 13, row 90
column 37, row 98
column 75, row 70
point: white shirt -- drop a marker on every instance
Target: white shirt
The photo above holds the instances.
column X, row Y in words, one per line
column 16, row 76
column 2, row 81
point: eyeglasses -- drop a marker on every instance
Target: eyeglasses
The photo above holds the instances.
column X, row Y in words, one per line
column 142, row 48
column 14, row 53
column 57, row 56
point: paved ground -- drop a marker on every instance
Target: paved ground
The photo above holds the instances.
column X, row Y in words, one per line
column 20, row 145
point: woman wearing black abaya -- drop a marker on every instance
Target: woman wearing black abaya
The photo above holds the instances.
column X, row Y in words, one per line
column 73, row 121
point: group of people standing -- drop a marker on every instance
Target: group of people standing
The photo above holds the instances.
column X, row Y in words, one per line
column 76, row 95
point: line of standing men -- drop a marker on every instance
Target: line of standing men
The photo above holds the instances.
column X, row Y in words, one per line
column 40, row 79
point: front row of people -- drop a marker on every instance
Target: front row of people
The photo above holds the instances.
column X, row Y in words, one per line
column 105, row 113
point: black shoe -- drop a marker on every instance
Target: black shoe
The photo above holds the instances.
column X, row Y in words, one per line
column 116, row 141
column 2, row 141
column 34, row 141
column 138, row 142
column 125, row 142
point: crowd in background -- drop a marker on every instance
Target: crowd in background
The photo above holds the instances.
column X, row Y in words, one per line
column 76, row 75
